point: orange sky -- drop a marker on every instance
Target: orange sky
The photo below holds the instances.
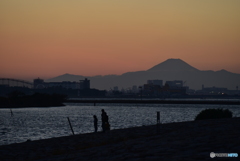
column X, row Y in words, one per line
column 48, row 38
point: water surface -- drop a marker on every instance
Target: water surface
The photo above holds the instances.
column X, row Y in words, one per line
column 41, row 123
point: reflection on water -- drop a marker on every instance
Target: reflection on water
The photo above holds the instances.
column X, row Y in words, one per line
column 41, row 123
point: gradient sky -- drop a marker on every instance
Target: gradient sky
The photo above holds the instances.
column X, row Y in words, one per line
column 47, row 38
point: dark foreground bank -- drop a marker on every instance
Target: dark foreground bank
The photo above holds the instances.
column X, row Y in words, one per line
column 17, row 99
column 193, row 140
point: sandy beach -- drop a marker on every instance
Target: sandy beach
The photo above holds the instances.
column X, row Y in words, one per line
column 193, row 140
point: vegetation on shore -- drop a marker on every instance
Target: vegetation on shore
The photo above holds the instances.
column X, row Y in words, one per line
column 18, row 99
column 214, row 114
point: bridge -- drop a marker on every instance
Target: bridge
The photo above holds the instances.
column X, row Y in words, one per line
column 15, row 82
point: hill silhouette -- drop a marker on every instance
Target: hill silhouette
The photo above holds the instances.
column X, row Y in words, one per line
column 171, row 69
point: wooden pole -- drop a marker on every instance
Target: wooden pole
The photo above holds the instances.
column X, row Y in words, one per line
column 158, row 121
column 70, row 125
column 11, row 112
column 158, row 117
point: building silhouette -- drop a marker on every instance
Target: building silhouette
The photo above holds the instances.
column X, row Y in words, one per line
column 115, row 88
column 154, row 88
column 175, row 83
column 155, row 82
column 85, row 84
column 38, row 83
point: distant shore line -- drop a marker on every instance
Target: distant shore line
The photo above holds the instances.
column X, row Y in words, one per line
column 58, row 102
column 19, row 100
column 95, row 102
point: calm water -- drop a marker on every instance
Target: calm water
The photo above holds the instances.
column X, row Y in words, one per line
column 41, row 123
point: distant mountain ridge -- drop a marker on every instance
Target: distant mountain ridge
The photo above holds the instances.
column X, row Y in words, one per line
column 171, row 69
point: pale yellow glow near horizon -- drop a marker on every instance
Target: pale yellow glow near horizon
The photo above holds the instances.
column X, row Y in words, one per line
column 51, row 37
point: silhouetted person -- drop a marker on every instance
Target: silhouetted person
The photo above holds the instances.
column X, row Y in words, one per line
column 95, row 123
column 103, row 115
column 107, row 125
column 106, row 117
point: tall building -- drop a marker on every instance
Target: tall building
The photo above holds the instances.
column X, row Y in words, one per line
column 85, row 84
column 38, row 83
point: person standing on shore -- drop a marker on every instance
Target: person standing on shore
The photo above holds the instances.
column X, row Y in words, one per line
column 95, row 123
column 107, row 125
column 104, row 119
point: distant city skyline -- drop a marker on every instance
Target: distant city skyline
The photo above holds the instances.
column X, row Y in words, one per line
column 49, row 38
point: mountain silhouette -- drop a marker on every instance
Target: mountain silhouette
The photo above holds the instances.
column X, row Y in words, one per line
column 67, row 77
column 171, row 69
column 173, row 65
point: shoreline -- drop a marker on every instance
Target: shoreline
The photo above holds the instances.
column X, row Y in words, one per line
column 192, row 140
column 155, row 102
column 14, row 107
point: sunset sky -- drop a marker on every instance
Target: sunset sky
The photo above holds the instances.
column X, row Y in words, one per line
column 47, row 38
